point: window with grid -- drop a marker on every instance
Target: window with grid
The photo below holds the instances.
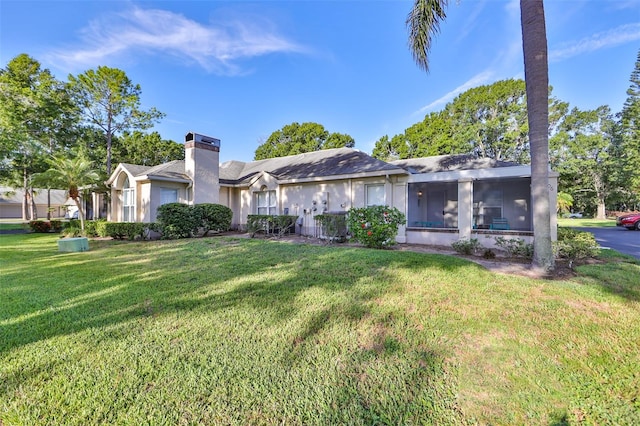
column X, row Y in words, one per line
column 128, row 202
column 266, row 202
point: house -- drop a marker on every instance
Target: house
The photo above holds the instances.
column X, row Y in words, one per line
column 444, row 198
column 11, row 202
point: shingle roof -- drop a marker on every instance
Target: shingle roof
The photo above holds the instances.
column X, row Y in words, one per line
column 324, row 163
column 444, row 163
column 11, row 196
column 171, row 170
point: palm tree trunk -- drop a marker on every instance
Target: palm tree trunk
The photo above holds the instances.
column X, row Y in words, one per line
column 80, row 212
column 536, row 70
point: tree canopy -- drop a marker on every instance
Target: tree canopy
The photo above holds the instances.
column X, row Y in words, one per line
column 37, row 119
column 487, row 121
column 111, row 102
column 298, row 138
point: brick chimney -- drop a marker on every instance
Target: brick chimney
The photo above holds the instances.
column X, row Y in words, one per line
column 201, row 163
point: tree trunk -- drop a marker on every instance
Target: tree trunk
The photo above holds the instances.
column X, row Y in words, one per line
column 25, row 195
column 80, row 212
column 536, row 71
column 33, row 209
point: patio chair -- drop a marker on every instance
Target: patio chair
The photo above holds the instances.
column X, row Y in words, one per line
column 500, row 223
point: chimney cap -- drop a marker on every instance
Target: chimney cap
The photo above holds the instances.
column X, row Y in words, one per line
column 197, row 137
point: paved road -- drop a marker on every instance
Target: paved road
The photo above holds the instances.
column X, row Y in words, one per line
column 617, row 238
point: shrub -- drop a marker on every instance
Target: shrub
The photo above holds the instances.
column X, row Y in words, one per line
column 90, row 227
column 333, row 226
column 515, row 247
column 101, row 228
column 176, row 220
column 466, row 246
column 488, row 254
column 40, row 226
column 270, row 224
column 122, row 230
column 375, row 226
column 212, row 217
column 575, row 245
column 56, row 225
column 72, row 232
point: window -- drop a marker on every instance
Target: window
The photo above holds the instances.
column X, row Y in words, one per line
column 128, row 202
column 266, row 202
column 168, row 195
column 375, row 195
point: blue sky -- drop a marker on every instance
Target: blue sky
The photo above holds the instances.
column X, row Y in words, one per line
column 241, row 70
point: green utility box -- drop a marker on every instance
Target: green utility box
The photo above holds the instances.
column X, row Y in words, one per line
column 73, row 244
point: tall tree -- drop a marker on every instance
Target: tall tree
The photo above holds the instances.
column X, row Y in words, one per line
column 492, row 120
column 432, row 136
column 111, row 102
column 146, row 149
column 423, row 23
column 630, row 131
column 72, row 174
column 37, row 118
column 298, row 138
column 581, row 153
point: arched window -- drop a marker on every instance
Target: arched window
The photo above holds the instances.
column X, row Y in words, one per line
column 128, row 202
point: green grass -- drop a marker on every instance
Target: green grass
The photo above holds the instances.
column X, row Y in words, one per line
column 12, row 226
column 587, row 223
column 238, row 331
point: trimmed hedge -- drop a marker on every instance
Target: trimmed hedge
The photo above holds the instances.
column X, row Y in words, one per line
column 213, row 217
column 124, row 230
column 177, row 220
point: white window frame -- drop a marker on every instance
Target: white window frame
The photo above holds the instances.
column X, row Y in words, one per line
column 266, row 203
column 128, row 204
column 372, row 197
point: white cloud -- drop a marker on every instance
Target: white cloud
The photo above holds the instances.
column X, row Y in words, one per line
column 476, row 80
column 614, row 37
column 216, row 47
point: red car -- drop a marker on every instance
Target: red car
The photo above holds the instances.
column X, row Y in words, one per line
column 629, row 221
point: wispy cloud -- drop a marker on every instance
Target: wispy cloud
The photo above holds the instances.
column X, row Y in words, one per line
column 217, row 47
column 602, row 40
column 476, row 80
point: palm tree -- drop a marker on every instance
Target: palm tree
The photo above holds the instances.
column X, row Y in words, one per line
column 423, row 23
column 72, row 174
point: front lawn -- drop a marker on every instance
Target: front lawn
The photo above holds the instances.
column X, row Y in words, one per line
column 587, row 223
column 238, row 331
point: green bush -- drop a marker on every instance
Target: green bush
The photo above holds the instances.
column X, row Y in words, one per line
column 40, row 226
column 212, row 217
column 122, row 230
column 333, row 226
column 270, row 224
column 575, row 245
column 176, row 220
column 72, row 232
column 91, row 228
column 466, row 246
column 515, row 247
column 375, row 226
column 56, row 225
